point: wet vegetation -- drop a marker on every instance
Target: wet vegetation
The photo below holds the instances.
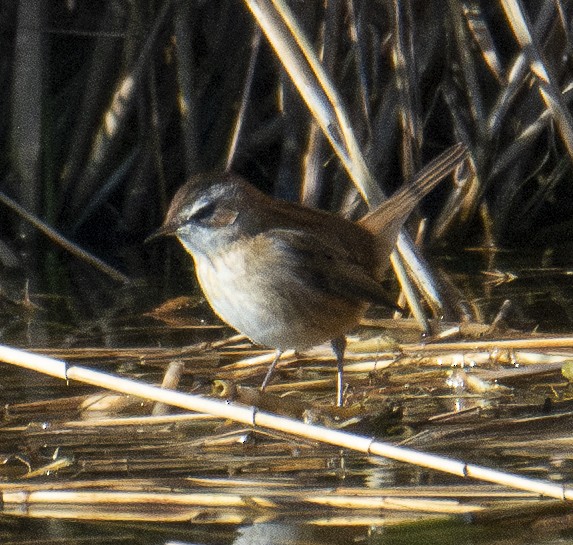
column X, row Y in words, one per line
column 108, row 107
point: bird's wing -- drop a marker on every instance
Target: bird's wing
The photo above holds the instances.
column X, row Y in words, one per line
column 328, row 267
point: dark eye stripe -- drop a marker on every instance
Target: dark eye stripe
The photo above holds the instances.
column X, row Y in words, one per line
column 204, row 212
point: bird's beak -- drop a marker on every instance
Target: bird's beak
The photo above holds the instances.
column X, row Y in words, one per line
column 164, row 231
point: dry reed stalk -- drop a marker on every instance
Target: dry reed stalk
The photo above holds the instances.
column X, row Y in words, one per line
column 539, row 343
column 32, row 498
column 548, row 87
column 276, row 488
column 64, row 242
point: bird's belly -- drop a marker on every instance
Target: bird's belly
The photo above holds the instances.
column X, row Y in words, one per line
column 269, row 306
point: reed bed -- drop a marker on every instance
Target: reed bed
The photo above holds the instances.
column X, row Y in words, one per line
column 58, row 462
column 336, row 104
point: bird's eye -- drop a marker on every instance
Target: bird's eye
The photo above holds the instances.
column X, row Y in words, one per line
column 203, row 213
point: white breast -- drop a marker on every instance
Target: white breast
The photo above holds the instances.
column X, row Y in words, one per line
column 265, row 300
column 229, row 284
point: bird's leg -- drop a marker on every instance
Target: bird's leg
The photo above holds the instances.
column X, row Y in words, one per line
column 271, row 369
column 338, row 347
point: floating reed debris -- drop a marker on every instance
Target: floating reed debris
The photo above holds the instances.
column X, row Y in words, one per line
column 256, row 418
column 131, row 499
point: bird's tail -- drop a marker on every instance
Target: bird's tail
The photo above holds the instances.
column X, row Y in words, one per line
column 392, row 213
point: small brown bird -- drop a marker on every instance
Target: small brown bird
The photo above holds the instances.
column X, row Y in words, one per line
column 287, row 276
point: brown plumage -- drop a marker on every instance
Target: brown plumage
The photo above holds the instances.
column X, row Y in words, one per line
column 287, row 276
